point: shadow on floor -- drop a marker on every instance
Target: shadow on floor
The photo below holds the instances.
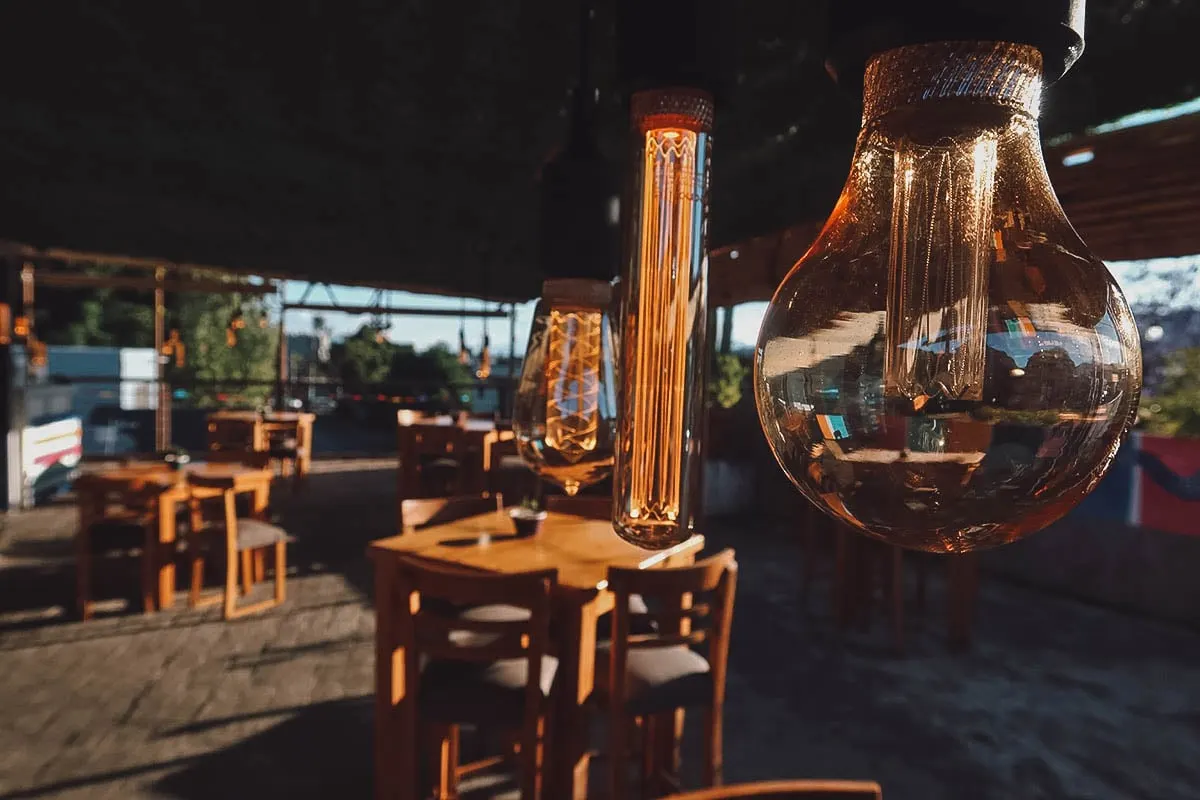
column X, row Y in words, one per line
column 283, row 760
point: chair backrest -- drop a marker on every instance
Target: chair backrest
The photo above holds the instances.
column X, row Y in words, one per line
column 427, row 512
column 437, row 630
column 231, row 434
column 779, row 790
column 591, row 507
column 691, row 605
column 247, row 458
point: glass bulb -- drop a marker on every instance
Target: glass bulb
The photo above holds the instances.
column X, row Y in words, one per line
column 948, row 368
column 664, row 319
column 565, row 408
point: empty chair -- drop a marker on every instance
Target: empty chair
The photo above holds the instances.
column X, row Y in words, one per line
column 784, row 790
column 429, row 511
column 116, row 518
column 649, row 674
column 240, row 538
column 487, row 666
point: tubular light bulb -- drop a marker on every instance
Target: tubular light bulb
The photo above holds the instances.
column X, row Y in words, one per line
column 565, row 407
column 948, row 368
column 664, row 319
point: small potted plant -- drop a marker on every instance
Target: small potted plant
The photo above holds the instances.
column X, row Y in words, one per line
column 176, row 457
column 528, row 517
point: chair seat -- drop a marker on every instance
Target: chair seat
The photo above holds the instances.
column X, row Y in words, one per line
column 117, row 533
column 462, row 692
column 441, row 463
column 512, row 462
column 252, row 533
column 661, row 678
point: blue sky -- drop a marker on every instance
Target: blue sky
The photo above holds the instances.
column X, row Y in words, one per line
column 1142, row 281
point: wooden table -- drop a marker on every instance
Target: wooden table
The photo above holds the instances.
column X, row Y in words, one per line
column 475, row 458
column 581, row 550
column 172, row 486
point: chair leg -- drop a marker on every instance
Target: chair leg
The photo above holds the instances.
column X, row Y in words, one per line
column 530, row 758
column 151, row 553
column 260, row 565
column 617, row 748
column 649, row 756
column 447, row 770
column 246, row 568
column 196, row 584
column 714, row 737
column 83, row 575
column 231, row 583
column 280, row 571
column 897, row 586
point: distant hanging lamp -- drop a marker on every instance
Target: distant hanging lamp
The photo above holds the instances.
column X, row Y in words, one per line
column 464, row 354
column 485, row 353
column 564, row 415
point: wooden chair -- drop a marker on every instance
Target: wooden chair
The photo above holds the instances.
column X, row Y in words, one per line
column 485, row 666
column 429, row 462
column 589, row 506
column 508, row 473
column 780, row 790
column 233, row 434
column 650, row 675
column 429, row 511
column 116, row 518
column 288, row 445
column 243, row 537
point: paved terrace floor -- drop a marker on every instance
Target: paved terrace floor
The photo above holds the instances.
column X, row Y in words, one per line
column 1055, row 700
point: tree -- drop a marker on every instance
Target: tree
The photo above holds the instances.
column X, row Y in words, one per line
column 366, row 357
column 240, row 370
column 725, row 388
column 1175, row 409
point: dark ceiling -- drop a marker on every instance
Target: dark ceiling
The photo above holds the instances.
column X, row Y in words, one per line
column 397, row 142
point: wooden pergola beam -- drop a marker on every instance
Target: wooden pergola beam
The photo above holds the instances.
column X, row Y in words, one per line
column 74, row 280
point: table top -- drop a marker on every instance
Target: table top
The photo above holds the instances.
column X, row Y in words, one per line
column 580, row 549
column 269, row 416
column 472, row 425
column 157, row 472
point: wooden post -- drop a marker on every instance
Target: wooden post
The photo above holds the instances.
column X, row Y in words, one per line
column 510, row 402
column 727, row 329
column 162, row 408
column 281, row 368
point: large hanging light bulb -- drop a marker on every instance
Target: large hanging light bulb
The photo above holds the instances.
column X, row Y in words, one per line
column 664, row 318
column 948, row 367
column 565, row 410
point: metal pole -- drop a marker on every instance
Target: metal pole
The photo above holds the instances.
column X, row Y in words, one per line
column 510, row 403
column 162, row 408
column 281, row 374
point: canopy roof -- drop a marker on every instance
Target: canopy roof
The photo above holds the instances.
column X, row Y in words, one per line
column 397, row 142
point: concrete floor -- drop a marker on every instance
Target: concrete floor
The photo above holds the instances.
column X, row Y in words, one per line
column 1055, row 700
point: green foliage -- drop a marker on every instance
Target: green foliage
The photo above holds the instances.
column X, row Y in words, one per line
column 366, row 357
column 213, row 367
column 95, row 317
column 725, row 386
column 1175, row 409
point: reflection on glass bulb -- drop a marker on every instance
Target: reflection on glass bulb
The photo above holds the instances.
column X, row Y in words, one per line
column 664, row 319
column 565, row 407
column 948, row 367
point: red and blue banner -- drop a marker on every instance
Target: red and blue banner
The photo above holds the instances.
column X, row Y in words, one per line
column 1153, row 483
